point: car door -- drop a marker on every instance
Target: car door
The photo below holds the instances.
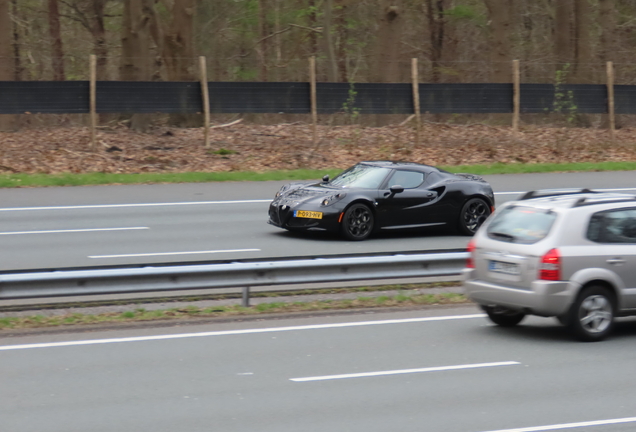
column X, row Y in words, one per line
column 617, row 252
column 407, row 208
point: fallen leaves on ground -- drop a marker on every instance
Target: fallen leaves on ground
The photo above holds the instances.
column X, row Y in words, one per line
column 259, row 148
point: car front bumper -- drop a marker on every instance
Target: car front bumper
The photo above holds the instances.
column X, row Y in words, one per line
column 282, row 216
column 544, row 298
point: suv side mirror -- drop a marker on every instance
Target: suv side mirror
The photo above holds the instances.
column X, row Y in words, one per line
column 325, row 178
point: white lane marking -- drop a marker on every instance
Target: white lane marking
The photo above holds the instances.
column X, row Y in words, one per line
column 594, row 189
column 99, row 206
column 238, row 332
column 570, row 425
column 173, row 253
column 405, row 371
column 195, row 203
column 73, row 230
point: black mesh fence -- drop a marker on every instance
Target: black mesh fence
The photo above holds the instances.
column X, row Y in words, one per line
column 54, row 97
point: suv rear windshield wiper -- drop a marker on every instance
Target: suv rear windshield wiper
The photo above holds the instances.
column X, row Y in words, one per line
column 502, row 235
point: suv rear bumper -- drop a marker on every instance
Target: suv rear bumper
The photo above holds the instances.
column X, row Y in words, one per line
column 544, row 298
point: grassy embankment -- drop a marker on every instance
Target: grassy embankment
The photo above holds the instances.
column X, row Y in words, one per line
column 35, row 180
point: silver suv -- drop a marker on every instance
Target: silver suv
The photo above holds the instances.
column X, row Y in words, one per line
column 568, row 254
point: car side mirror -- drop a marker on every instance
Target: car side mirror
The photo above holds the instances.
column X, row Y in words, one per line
column 396, row 189
column 325, row 178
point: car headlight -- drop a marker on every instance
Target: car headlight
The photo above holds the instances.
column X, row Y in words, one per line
column 333, row 199
column 281, row 191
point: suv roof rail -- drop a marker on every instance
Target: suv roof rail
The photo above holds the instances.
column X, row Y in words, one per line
column 586, row 201
column 544, row 193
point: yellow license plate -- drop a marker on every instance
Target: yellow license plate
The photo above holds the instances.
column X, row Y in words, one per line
column 308, row 214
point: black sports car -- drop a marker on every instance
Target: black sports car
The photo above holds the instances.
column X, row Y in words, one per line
column 384, row 195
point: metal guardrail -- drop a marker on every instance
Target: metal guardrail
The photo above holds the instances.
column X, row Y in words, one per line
column 228, row 275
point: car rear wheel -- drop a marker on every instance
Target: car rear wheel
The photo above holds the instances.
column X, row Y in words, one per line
column 592, row 314
column 357, row 223
column 473, row 214
column 503, row 317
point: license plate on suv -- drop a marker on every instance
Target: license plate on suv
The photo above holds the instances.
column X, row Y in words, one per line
column 504, row 268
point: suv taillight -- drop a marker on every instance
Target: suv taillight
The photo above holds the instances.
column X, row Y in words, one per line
column 470, row 262
column 550, row 267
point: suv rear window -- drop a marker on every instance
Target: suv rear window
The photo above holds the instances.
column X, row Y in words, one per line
column 518, row 224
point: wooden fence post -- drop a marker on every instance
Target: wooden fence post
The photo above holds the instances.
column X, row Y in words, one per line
column 610, row 99
column 416, row 101
column 93, row 100
column 516, row 98
column 314, row 105
column 206, row 100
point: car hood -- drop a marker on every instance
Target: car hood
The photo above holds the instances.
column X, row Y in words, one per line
column 301, row 192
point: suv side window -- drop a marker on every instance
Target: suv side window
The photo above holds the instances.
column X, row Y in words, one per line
column 406, row 179
column 615, row 226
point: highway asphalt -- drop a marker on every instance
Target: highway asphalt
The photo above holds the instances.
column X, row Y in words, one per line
column 439, row 370
column 116, row 225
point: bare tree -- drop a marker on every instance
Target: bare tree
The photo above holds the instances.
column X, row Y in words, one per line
column 57, row 57
column 8, row 122
column 91, row 15
column 500, row 20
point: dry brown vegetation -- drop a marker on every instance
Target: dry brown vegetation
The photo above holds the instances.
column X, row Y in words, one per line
column 250, row 147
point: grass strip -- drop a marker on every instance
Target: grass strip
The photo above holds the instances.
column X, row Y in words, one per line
column 84, row 179
column 141, row 314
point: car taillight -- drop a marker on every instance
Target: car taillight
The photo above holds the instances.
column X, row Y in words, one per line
column 470, row 261
column 550, row 267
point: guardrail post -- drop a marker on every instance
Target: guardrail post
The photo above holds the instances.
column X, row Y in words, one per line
column 246, row 297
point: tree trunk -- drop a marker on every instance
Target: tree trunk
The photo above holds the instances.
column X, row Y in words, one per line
column 583, row 71
column 499, row 17
column 436, row 21
column 313, row 23
column 98, row 31
column 264, row 31
column 607, row 22
column 8, row 122
column 563, row 44
column 135, row 46
column 16, row 43
column 387, row 51
column 57, row 55
column 341, row 29
column 178, row 52
column 332, row 63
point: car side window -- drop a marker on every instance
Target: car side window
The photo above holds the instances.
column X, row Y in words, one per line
column 407, row 179
column 617, row 226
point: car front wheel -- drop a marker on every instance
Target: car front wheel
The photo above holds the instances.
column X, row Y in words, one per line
column 473, row 214
column 592, row 314
column 357, row 223
column 502, row 316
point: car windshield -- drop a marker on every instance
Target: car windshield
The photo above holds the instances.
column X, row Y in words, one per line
column 361, row 176
column 519, row 224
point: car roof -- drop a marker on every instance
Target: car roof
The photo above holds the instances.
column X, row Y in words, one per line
column 401, row 164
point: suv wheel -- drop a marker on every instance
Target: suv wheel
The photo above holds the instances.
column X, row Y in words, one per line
column 502, row 316
column 592, row 314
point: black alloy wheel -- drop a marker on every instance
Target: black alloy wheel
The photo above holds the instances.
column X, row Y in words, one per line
column 592, row 314
column 503, row 317
column 357, row 223
column 473, row 214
